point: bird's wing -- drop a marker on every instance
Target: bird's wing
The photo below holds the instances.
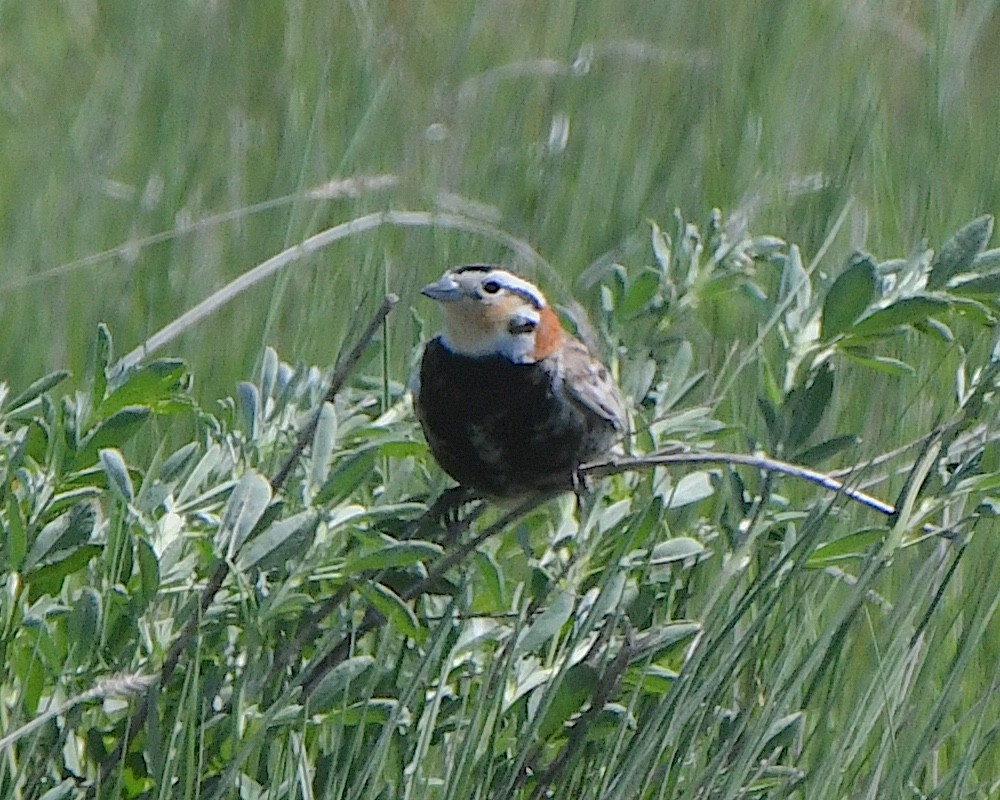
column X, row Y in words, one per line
column 589, row 383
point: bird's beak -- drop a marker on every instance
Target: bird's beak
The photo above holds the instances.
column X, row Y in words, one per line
column 445, row 290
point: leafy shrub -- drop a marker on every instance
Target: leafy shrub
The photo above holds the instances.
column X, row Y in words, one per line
column 271, row 611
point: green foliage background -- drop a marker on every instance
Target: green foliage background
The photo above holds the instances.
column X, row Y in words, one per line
column 124, row 120
column 152, row 152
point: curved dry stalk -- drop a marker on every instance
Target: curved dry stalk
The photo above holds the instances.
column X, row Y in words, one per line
column 342, row 188
column 115, row 686
column 315, row 243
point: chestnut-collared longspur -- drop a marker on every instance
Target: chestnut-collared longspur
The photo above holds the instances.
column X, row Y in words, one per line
column 510, row 403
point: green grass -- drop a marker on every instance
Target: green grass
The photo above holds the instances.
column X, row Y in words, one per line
column 125, row 121
column 139, row 139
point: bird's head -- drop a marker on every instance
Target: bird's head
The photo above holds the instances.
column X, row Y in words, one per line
column 489, row 311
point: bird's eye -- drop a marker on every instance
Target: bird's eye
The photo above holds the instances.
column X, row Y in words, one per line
column 491, row 287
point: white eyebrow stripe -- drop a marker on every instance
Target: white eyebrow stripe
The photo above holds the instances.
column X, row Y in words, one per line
column 519, row 286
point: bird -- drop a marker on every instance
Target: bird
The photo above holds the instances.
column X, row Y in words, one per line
column 510, row 403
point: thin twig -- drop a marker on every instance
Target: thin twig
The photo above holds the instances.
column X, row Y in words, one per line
column 459, row 554
column 187, row 634
column 307, row 632
column 976, row 438
column 373, row 619
column 167, row 670
column 448, row 502
column 761, row 462
column 528, row 765
column 340, row 375
column 605, row 687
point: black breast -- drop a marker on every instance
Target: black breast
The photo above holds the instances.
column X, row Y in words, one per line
column 502, row 428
